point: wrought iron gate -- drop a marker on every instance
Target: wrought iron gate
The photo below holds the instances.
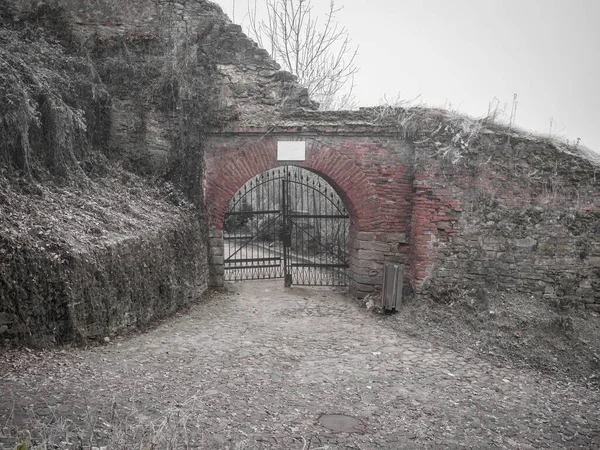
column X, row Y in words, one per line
column 287, row 223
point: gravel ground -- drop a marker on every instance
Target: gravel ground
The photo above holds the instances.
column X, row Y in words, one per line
column 259, row 366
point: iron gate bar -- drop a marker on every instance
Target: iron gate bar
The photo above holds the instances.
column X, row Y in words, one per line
column 257, row 259
column 262, row 266
column 321, row 216
column 241, row 213
column 317, row 265
column 251, row 239
column 307, row 233
column 287, row 281
column 310, row 224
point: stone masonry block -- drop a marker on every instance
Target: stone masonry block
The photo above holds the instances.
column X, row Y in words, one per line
column 365, row 236
column 366, row 264
column 216, row 242
column 373, row 246
column 364, row 289
column 216, row 251
column 369, row 255
column 367, row 272
column 217, row 281
column 215, row 234
column 526, row 242
column 365, row 279
column 594, row 261
column 398, row 258
column 397, row 238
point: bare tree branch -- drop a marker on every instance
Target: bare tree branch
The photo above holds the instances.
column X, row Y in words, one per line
column 321, row 55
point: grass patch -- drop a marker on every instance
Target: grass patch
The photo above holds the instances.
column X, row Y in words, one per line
column 113, row 427
column 510, row 329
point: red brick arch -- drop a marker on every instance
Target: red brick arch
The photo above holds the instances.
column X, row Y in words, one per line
column 228, row 170
column 371, row 173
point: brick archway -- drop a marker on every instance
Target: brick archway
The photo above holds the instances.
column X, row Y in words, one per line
column 370, row 177
column 225, row 176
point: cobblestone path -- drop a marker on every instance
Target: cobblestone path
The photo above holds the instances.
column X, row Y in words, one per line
column 263, row 367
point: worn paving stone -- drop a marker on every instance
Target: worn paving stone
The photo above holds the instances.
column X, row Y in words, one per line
column 262, row 365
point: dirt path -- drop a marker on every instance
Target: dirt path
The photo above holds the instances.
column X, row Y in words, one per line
column 262, row 367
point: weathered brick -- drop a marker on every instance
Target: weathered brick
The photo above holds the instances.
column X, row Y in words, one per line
column 452, row 221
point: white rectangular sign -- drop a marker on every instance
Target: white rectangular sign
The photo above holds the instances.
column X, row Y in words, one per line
column 291, row 150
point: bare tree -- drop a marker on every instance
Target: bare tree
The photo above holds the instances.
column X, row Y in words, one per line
column 319, row 54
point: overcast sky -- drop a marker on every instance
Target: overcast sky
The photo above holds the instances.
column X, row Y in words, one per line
column 464, row 53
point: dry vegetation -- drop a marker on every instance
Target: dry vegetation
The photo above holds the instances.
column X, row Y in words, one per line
column 65, row 190
column 51, row 100
column 511, row 329
column 59, row 87
column 552, row 335
column 113, row 428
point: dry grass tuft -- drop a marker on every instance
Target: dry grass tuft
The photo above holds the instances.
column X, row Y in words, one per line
column 113, row 427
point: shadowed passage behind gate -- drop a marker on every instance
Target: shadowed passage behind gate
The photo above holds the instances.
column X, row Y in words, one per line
column 287, row 223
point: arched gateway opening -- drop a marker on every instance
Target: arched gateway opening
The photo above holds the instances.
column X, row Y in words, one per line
column 370, row 177
column 288, row 223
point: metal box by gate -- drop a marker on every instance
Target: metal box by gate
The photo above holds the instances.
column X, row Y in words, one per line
column 391, row 297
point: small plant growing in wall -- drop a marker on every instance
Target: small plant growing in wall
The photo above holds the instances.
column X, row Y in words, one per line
column 23, row 440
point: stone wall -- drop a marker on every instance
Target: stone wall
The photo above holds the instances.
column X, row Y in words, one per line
column 77, row 296
column 461, row 204
column 127, row 39
column 509, row 212
column 125, row 253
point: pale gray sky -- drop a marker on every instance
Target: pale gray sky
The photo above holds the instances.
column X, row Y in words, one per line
column 465, row 53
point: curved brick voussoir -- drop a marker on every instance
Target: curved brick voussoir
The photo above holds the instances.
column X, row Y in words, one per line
column 229, row 169
column 233, row 162
column 359, row 196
